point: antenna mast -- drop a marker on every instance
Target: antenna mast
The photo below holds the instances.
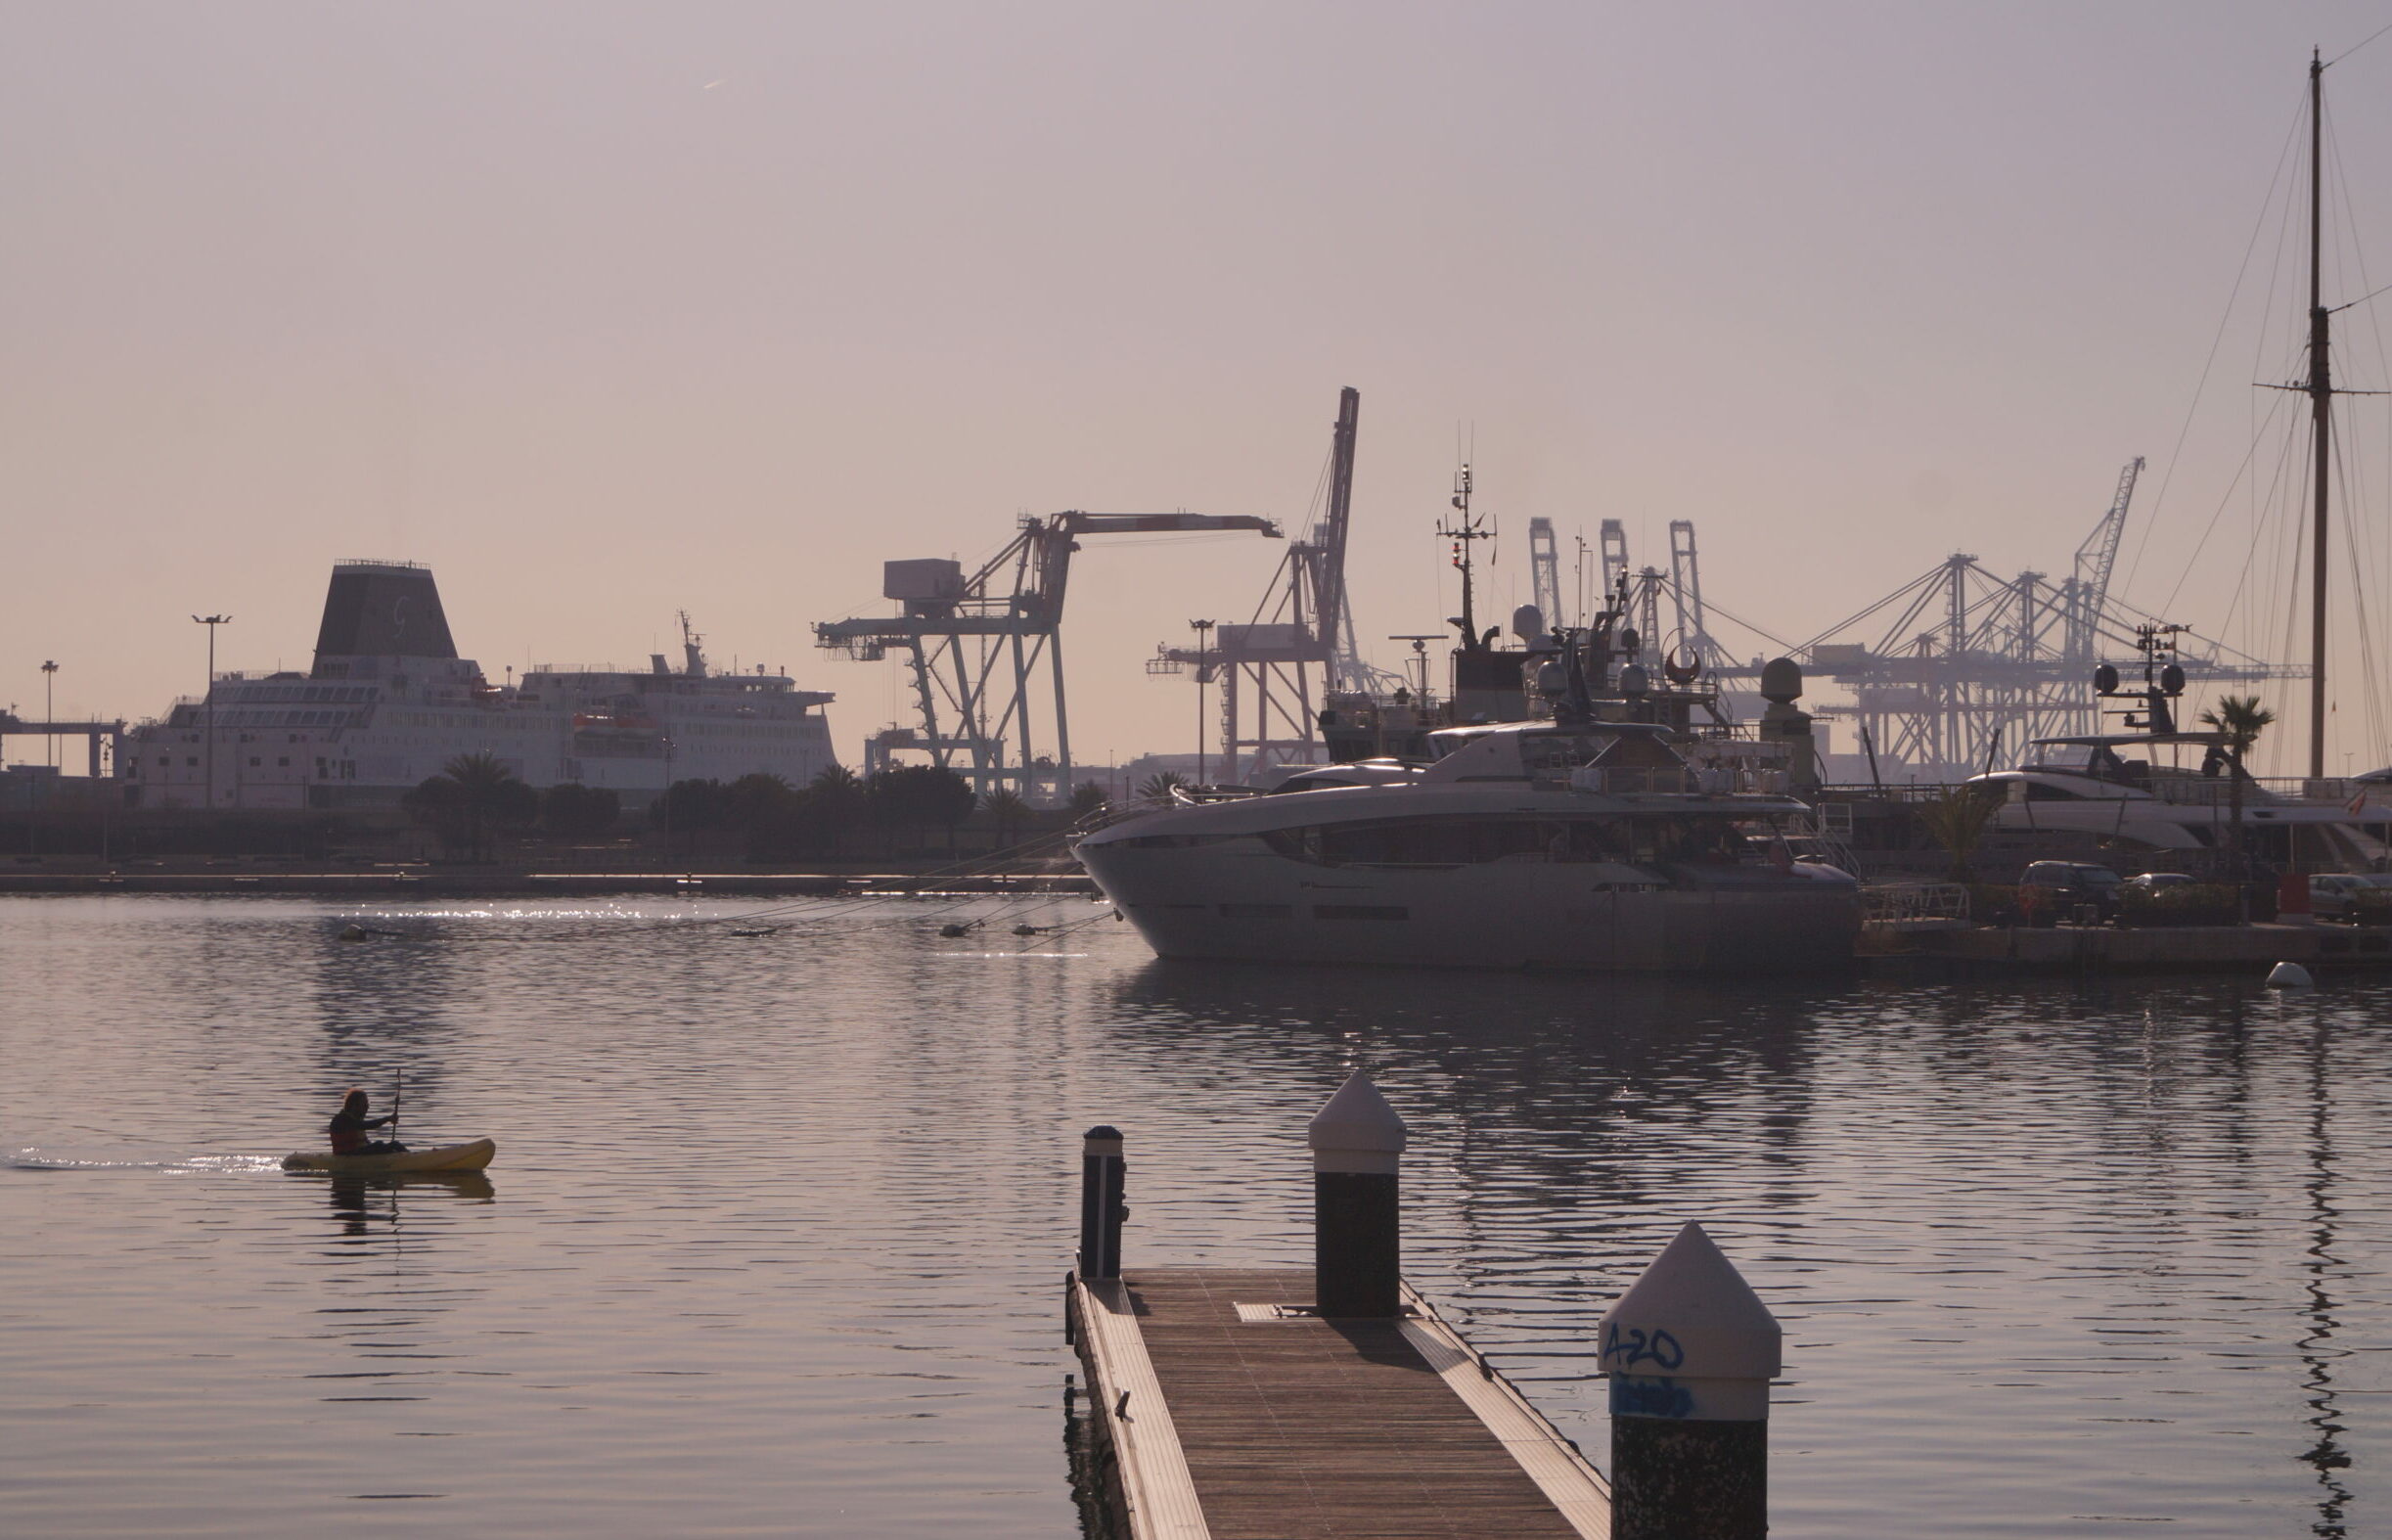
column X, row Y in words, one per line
column 1462, row 532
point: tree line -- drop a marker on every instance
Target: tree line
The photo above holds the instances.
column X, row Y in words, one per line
column 476, row 800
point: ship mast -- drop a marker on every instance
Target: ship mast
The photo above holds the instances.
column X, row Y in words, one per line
column 2321, row 404
column 1462, row 532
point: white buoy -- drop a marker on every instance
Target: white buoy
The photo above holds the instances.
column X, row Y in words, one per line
column 2289, row 975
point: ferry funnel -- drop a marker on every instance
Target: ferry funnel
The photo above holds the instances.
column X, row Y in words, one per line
column 382, row 610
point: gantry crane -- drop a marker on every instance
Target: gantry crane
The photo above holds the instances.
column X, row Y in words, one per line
column 1545, row 572
column 1974, row 664
column 1614, row 536
column 1268, row 703
column 975, row 644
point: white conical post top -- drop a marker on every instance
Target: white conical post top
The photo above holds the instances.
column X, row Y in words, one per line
column 1357, row 1131
column 1693, row 1317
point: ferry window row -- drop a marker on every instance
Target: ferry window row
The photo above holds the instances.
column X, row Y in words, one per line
column 247, row 719
column 253, row 694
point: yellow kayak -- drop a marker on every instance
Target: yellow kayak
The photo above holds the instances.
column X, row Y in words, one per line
column 446, row 1157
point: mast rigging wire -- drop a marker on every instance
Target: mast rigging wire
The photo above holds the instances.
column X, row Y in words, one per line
column 2191, row 407
column 2361, row 43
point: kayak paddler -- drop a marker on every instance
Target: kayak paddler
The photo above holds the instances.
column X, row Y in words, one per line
column 350, row 1125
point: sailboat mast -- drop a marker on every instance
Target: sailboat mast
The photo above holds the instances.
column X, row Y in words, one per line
column 2320, row 411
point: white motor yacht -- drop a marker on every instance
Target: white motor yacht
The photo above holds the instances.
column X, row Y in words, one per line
column 2171, row 792
column 1527, row 845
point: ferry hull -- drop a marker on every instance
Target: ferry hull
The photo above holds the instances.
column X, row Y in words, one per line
column 1259, row 907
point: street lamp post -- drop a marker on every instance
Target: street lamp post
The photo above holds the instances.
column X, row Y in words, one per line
column 1203, row 631
column 49, row 710
column 207, row 796
column 668, row 803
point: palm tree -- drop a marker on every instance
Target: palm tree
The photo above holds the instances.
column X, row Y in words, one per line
column 1957, row 820
column 1005, row 806
column 481, row 772
column 2241, row 718
column 836, row 795
column 472, row 791
column 839, row 782
column 2238, row 719
column 1159, row 786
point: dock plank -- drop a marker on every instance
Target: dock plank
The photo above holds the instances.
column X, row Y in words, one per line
column 1311, row 1430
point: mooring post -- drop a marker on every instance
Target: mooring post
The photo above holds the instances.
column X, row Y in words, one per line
column 1357, row 1256
column 1101, row 1209
column 1690, row 1351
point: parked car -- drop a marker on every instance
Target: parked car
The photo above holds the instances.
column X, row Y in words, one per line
column 2050, row 888
column 2153, row 881
column 2341, row 895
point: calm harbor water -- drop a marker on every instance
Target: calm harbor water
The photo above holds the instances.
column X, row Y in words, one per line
column 775, row 1240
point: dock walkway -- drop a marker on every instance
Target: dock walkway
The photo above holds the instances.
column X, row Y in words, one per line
column 1234, row 1416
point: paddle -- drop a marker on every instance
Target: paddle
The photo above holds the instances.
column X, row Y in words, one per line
column 397, row 1095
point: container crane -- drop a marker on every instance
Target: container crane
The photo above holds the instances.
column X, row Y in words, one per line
column 1973, row 663
column 975, row 644
column 1268, row 704
column 1614, row 536
column 1545, row 572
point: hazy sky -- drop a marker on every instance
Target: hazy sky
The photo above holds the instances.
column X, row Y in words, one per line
column 606, row 311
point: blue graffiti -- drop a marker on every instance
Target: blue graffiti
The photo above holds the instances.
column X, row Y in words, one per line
column 1634, row 1346
column 1631, row 1397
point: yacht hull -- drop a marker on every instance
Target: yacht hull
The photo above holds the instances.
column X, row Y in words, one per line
column 1254, row 905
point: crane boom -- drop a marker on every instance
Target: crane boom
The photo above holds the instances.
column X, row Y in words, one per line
column 2096, row 559
column 1327, row 541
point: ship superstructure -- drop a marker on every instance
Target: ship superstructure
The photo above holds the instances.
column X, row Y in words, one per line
column 389, row 704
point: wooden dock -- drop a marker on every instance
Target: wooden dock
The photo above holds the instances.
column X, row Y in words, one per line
column 1233, row 1413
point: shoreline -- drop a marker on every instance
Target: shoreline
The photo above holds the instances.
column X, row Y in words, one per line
column 435, row 881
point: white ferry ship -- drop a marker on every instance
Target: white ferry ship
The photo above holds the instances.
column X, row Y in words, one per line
column 389, row 704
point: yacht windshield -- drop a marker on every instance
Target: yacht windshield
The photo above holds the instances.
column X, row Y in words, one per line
column 2130, row 761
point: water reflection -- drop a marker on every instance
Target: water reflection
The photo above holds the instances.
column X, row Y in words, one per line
column 785, row 1217
column 1096, row 1478
column 384, row 1007
column 2319, row 1354
column 351, row 1195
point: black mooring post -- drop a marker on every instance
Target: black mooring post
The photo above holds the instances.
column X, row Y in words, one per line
column 1101, row 1209
column 1357, row 1247
column 1691, row 1351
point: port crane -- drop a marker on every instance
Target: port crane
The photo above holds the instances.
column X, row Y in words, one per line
column 2085, row 594
column 1303, row 622
column 1971, row 662
column 1545, row 572
column 976, row 644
